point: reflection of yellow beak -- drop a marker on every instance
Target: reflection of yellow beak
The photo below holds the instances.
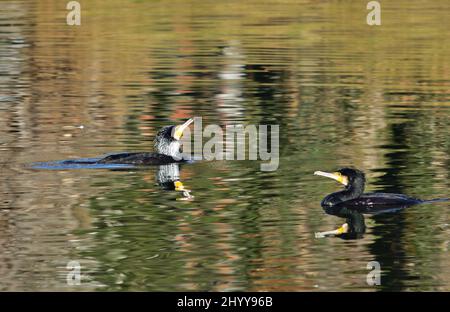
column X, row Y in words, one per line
column 334, row 175
column 178, row 132
column 343, row 229
column 179, row 186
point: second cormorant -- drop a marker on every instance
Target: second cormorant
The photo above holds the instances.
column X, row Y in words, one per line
column 353, row 195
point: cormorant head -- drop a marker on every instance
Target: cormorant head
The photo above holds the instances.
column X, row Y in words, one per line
column 167, row 140
column 351, row 178
column 354, row 177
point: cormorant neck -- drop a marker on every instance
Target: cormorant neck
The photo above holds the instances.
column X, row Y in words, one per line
column 352, row 190
column 169, row 148
column 355, row 188
column 167, row 175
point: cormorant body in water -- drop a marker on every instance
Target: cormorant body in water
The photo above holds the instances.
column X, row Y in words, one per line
column 167, row 157
column 351, row 203
column 353, row 195
column 167, row 150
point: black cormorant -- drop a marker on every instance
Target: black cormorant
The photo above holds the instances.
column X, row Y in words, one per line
column 351, row 203
column 167, row 157
column 353, row 195
column 167, row 151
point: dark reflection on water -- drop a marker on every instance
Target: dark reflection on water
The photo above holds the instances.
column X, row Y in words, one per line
column 343, row 93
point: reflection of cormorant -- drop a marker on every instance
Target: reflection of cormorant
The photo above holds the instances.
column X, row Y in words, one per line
column 354, row 226
column 352, row 196
column 167, row 147
column 168, row 177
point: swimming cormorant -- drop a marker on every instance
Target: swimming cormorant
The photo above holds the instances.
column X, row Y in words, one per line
column 351, row 203
column 353, row 195
column 167, row 149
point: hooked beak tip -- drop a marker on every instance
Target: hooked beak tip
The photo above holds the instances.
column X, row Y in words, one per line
column 189, row 121
column 335, row 176
column 324, row 174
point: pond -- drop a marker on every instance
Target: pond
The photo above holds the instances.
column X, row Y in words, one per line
column 343, row 94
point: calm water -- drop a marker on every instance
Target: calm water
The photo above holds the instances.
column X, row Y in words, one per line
column 343, row 93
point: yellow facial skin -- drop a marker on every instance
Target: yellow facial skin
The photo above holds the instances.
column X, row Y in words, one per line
column 334, row 175
column 178, row 133
column 343, row 229
column 341, row 178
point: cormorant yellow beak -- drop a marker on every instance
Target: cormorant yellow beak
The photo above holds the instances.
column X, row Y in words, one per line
column 334, row 175
column 178, row 132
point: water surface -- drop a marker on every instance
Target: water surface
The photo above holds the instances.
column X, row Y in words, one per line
column 343, row 93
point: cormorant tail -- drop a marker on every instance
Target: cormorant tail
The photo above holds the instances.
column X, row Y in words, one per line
column 436, row 200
